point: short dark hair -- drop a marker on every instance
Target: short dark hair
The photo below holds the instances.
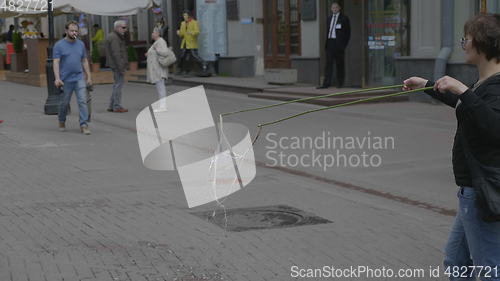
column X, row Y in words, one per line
column 11, row 27
column 188, row 12
column 485, row 32
column 71, row 22
column 96, row 25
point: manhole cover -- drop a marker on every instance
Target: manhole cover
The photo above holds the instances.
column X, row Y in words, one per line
column 244, row 219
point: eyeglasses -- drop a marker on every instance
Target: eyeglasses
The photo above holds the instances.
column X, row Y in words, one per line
column 124, row 27
column 463, row 42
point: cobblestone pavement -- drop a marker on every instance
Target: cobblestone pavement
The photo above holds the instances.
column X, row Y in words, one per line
column 76, row 207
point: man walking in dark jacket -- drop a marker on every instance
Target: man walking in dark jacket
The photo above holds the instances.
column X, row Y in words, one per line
column 337, row 37
column 117, row 59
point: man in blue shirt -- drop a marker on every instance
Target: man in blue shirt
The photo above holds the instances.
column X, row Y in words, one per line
column 70, row 59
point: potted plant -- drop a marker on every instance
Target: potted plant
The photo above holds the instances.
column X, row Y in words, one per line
column 96, row 60
column 18, row 42
column 20, row 58
column 2, row 59
column 132, row 58
column 2, row 52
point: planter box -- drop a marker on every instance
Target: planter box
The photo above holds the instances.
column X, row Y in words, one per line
column 281, row 76
column 96, row 67
column 133, row 66
column 237, row 66
column 37, row 55
column 19, row 61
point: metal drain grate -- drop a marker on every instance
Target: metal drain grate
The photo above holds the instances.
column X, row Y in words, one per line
column 243, row 219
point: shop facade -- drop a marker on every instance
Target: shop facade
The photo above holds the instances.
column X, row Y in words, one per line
column 390, row 39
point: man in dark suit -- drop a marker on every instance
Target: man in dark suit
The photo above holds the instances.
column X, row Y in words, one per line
column 338, row 33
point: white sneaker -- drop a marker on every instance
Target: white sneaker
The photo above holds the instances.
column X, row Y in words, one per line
column 85, row 130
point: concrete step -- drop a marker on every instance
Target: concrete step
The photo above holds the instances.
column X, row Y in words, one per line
column 324, row 101
column 214, row 85
column 273, row 92
column 193, row 81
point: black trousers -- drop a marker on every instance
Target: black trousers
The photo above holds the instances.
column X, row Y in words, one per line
column 334, row 53
column 186, row 55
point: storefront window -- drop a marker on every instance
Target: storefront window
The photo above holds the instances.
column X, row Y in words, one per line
column 268, row 28
column 294, row 27
column 387, row 25
column 493, row 6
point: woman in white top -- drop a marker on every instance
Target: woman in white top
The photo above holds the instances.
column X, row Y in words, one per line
column 156, row 73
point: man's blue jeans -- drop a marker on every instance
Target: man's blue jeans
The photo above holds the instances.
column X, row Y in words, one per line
column 472, row 242
column 80, row 88
column 116, row 96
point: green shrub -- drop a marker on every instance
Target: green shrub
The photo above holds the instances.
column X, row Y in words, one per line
column 96, row 57
column 132, row 53
column 18, row 42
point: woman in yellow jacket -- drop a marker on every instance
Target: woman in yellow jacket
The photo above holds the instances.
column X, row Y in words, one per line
column 189, row 32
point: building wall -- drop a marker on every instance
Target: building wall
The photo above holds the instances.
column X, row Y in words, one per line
column 310, row 37
column 425, row 28
column 59, row 23
column 6, row 24
column 426, row 42
column 308, row 63
column 464, row 10
column 246, row 39
column 259, row 44
column 143, row 26
column 493, row 6
column 242, row 39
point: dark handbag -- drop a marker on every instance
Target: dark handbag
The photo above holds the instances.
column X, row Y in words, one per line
column 486, row 182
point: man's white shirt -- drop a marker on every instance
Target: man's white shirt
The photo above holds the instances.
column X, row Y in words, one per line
column 333, row 26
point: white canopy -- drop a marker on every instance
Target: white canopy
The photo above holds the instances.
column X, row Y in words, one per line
column 94, row 7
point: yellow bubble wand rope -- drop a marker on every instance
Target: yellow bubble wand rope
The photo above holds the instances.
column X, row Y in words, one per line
column 260, row 126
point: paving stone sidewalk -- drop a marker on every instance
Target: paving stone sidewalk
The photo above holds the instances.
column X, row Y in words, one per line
column 76, row 207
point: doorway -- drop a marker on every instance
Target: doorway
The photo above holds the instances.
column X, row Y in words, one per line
column 281, row 32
